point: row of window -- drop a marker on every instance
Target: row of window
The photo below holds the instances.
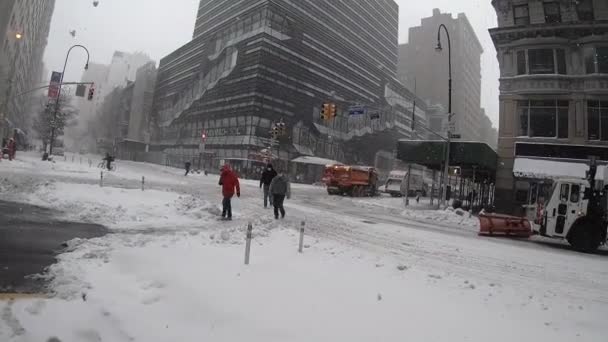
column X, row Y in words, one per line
column 553, row 61
column 552, row 10
column 549, row 119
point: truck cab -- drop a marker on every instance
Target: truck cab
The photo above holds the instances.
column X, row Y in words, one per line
column 575, row 211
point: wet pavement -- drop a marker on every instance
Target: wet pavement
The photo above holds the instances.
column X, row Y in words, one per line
column 30, row 239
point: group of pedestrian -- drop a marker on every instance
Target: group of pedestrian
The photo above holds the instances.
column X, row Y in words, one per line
column 276, row 188
column 9, row 148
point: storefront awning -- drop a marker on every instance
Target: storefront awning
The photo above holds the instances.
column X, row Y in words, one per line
column 314, row 161
column 544, row 169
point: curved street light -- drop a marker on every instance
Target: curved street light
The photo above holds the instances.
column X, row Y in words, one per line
column 86, row 66
column 449, row 134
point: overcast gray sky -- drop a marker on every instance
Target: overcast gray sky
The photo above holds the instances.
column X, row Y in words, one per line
column 157, row 27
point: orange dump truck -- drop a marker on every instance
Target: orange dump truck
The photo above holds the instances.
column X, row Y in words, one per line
column 356, row 181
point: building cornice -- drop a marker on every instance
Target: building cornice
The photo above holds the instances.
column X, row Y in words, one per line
column 505, row 35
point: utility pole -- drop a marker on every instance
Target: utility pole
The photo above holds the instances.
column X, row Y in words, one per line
column 409, row 166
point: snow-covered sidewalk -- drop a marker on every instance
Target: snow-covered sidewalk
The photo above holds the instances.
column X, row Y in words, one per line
column 170, row 271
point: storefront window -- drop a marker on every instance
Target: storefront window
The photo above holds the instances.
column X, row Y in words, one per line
column 521, row 192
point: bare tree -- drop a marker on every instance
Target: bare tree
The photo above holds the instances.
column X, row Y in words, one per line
column 47, row 119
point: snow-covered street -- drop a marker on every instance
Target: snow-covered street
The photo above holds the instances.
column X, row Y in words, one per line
column 171, row 271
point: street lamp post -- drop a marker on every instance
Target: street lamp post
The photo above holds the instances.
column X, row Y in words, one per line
column 86, row 66
column 449, row 134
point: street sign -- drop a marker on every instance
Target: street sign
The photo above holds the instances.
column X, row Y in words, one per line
column 356, row 110
column 452, row 126
column 455, row 136
column 54, row 86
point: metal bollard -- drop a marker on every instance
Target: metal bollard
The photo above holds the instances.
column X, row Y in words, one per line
column 90, row 163
column 72, row 158
column 248, row 243
column 143, row 179
column 101, row 179
column 301, row 236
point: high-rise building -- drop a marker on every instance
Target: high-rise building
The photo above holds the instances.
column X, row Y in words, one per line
column 419, row 53
column 254, row 63
column 24, row 29
column 141, row 108
column 487, row 133
column 80, row 136
column 121, row 70
column 553, row 58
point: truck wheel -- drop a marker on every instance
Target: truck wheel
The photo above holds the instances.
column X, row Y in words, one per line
column 585, row 238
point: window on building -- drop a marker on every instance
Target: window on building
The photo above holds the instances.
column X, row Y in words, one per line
column 597, row 120
column 584, row 9
column 541, row 61
column 543, row 118
column 596, row 60
column 521, row 62
column 521, row 15
column 552, row 12
column 560, row 60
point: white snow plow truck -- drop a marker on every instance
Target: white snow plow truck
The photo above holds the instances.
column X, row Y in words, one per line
column 576, row 211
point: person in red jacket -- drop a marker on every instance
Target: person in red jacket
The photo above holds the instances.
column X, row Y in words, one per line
column 229, row 182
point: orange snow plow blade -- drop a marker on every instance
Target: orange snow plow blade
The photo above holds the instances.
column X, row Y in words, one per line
column 496, row 224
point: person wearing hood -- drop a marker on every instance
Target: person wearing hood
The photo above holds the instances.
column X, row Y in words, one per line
column 280, row 188
column 230, row 184
column 267, row 177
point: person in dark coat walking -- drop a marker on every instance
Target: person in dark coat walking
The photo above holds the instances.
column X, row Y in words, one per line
column 230, row 183
column 187, row 166
column 12, row 149
column 280, row 188
column 267, row 177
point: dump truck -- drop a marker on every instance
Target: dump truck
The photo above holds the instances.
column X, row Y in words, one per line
column 576, row 211
column 355, row 181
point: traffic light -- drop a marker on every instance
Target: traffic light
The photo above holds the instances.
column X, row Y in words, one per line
column 454, row 170
column 203, row 136
column 274, row 131
column 333, row 110
column 282, row 128
column 91, row 93
column 325, row 109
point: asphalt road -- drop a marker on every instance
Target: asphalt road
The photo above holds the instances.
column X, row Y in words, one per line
column 30, row 239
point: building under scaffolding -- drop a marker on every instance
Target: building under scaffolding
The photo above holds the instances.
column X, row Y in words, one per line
column 472, row 169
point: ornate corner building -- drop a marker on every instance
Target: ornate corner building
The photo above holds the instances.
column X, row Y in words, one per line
column 252, row 63
column 553, row 57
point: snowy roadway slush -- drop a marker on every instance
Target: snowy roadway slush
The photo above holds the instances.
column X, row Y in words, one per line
column 171, row 271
